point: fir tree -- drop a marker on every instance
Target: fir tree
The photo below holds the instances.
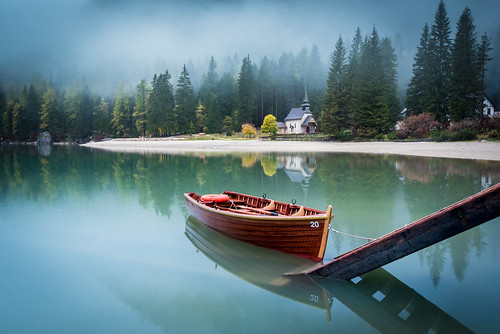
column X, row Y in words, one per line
column 352, row 75
column 141, row 98
column 247, row 93
column 286, row 95
column 102, row 117
column 265, row 97
column 50, row 114
column 70, row 109
column 201, row 117
column 7, row 117
column 227, row 94
column 122, row 112
column 315, row 80
column 84, row 116
column 209, row 80
column 213, row 116
column 186, row 103
column 482, row 59
column 160, row 109
column 419, row 92
column 32, row 104
column 465, row 81
column 440, row 48
column 389, row 68
column 372, row 113
column 3, row 109
column 335, row 114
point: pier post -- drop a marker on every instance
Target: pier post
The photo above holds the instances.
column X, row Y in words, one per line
column 443, row 224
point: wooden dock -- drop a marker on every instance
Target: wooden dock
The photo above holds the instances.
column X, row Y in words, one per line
column 445, row 223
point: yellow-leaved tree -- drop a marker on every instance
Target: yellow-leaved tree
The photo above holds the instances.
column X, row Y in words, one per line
column 248, row 129
column 269, row 125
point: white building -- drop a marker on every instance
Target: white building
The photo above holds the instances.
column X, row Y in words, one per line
column 301, row 120
column 489, row 108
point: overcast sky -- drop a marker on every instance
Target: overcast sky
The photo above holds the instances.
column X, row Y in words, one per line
column 84, row 36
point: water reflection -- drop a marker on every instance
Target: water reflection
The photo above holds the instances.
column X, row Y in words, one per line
column 379, row 298
column 260, row 266
column 371, row 194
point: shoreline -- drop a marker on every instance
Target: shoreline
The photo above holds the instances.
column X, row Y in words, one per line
column 478, row 150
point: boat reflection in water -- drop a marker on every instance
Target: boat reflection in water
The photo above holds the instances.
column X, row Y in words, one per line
column 386, row 303
column 260, row 266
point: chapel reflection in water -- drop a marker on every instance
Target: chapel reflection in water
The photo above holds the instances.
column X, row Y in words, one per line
column 386, row 303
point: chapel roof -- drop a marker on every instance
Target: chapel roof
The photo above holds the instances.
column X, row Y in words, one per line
column 295, row 113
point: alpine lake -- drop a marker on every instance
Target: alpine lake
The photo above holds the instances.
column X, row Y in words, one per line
column 100, row 242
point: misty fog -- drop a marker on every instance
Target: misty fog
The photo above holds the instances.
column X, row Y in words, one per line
column 105, row 42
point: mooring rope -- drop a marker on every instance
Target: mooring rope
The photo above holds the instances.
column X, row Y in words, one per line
column 349, row 235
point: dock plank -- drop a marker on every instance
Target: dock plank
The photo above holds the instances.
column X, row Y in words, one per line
column 440, row 225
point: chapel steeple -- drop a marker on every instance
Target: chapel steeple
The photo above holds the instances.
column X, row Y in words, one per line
column 305, row 103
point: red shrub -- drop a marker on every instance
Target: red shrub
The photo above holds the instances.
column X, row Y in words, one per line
column 418, row 126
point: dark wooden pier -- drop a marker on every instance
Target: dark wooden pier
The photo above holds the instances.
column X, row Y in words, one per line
column 445, row 223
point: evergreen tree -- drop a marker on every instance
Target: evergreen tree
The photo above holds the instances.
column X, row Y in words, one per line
column 315, row 80
column 265, row 97
column 186, row 103
column 102, row 117
column 122, row 113
column 201, row 117
column 160, row 109
column 84, row 116
column 373, row 112
column 227, row 94
column 209, row 80
column 465, row 95
column 440, row 48
column 352, row 81
column 70, row 109
column 247, row 93
column 32, row 105
column 213, row 115
column 482, row 59
column 420, row 90
column 50, row 114
column 389, row 69
column 335, row 113
column 287, row 86
column 300, row 65
column 20, row 128
column 3, row 110
column 7, row 118
column 141, row 97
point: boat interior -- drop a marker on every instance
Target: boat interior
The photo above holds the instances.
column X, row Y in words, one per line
column 253, row 205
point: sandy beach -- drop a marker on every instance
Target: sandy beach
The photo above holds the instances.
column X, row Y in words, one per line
column 460, row 150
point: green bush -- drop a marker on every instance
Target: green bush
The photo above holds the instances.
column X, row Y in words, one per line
column 464, row 134
column 438, row 135
column 393, row 135
column 344, row 135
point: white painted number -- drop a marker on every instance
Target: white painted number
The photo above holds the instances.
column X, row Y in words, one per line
column 314, row 224
column 314, row 298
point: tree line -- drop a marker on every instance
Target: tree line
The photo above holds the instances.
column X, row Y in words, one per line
column 356, row 95
column 161, row 107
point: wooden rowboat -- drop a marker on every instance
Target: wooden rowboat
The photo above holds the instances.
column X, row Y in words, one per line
column 264, row 222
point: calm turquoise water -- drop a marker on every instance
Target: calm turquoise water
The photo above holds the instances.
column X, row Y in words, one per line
column 98, row 242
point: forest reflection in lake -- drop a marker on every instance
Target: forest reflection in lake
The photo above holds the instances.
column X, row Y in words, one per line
column 119, row 219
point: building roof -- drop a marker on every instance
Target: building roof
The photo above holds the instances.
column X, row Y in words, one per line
column 295, row 113
column 281, row 125
column 307, row 120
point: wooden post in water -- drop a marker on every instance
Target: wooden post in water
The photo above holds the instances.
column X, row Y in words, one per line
column 445, row 223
